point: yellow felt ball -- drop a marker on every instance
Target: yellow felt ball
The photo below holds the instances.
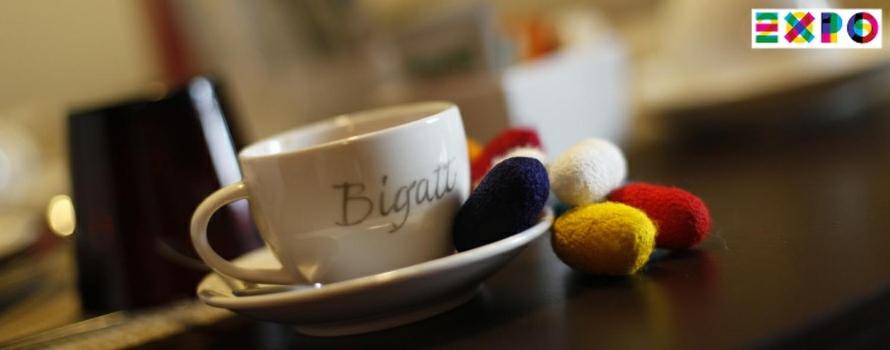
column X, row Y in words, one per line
column 604, row 238
column 474, row 148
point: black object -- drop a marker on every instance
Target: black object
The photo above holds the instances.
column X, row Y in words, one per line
column 139, row 169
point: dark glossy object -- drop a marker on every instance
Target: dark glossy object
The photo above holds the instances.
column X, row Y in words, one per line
column 139, row 169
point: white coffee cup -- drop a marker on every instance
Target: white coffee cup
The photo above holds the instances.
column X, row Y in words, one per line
column 351, row 196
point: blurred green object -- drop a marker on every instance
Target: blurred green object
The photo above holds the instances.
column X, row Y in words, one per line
column 560, row 208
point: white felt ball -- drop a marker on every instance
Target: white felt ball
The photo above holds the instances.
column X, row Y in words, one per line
column 587, row 172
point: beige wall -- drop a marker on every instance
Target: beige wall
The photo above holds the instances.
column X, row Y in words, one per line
column 55, row 54
column 72, row 51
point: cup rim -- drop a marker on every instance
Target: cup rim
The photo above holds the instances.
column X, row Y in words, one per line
column 431, row 110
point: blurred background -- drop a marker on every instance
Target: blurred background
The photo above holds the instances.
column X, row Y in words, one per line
column 638, row 72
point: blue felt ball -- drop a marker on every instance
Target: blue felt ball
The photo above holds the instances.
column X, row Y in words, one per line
column 560, row 208
column 507, row 201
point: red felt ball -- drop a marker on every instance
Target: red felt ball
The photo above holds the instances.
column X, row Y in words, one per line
column 500, row 145
column 682, row 218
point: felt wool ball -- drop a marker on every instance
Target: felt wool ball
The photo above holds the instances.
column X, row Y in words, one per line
column 474, row 149
column 604, row 238
column 508, row 200
column 682, row 219
column 560, row 208
column 500, row 145
column 587, row 172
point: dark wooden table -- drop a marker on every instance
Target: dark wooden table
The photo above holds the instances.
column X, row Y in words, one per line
column 798, row 257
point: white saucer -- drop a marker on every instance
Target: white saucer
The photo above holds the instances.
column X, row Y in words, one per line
column 374, row 302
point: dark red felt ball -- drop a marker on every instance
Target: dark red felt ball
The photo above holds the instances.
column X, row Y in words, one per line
column 682, row 219
column 500, row 145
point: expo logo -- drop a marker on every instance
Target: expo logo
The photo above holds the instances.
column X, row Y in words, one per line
column 816, row 28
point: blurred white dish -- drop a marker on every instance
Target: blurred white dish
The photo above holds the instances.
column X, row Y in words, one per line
column 580, row 91
column 375, row 302
column 667, row 87
column 19, row 164
column 19, row 231
column 714, row 64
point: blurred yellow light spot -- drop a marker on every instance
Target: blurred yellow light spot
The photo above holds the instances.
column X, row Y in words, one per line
column 60, row 215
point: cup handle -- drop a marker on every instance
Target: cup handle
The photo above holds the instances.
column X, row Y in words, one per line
column 201, row 218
